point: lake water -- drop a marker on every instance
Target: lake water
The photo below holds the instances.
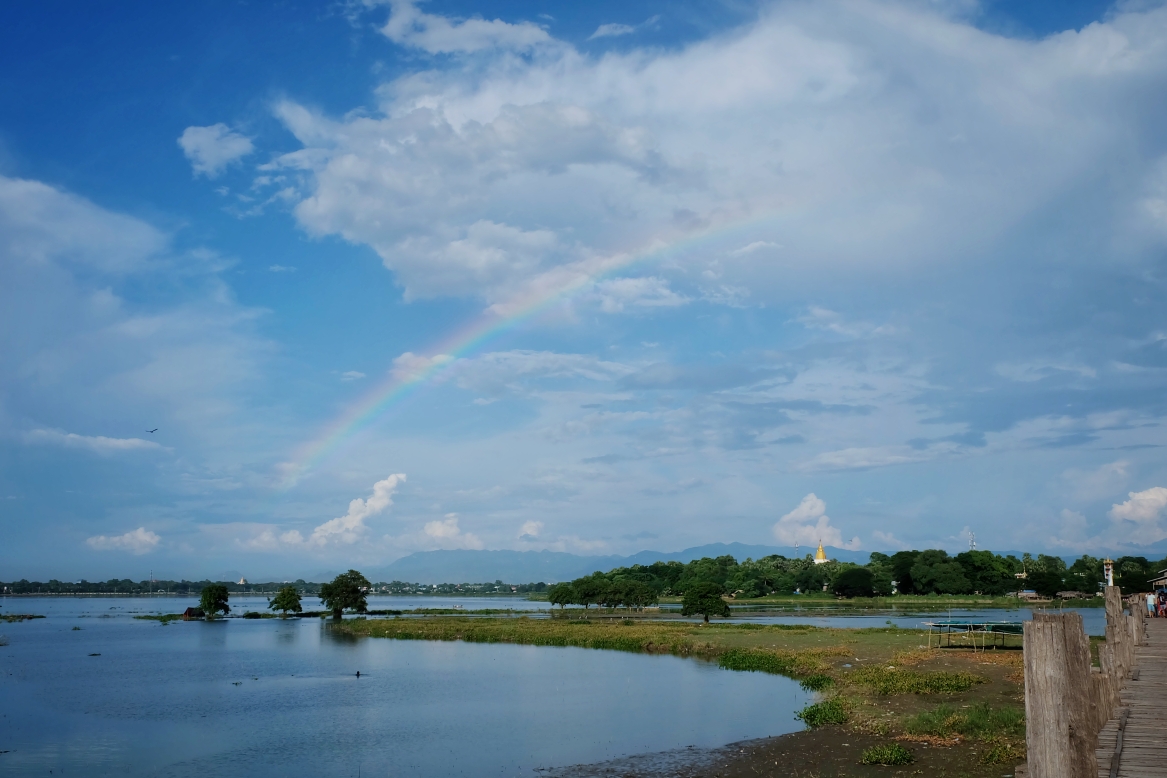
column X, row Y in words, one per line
column 280, row 698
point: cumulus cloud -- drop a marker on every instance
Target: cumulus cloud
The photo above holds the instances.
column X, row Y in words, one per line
column 99, row 444
column 531, row 530
column 138, row 541
column 447, row 534
column 409, row 26
column 211, row 149
column 351, row 527
column 1143, row 508
column 808, row 525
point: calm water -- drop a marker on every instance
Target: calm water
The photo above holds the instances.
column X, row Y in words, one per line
column 163, row 700
column 1093, row 619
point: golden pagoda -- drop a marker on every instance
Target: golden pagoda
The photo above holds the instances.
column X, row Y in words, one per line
column 820, row 556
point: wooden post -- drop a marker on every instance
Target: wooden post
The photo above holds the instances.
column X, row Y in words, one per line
column 1060, row 703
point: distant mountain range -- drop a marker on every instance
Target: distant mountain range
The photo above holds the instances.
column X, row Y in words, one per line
column 514, row 567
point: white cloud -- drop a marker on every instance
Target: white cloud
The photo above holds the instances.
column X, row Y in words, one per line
column 351, row 375
column 825, row 319
column 1144, row 508
column 351, row 527
column 211, row 149
column 859, row 459
column 138, row 541
column 409, row 26
column 648, row 292
column 447, row 534
column 809, row 525
column 750, row 248
column 626, row 153
column 531, row 530
column 281, row 269
column 612, row 30
column 41, row 225
column 98, row 444
column 410, row 366
column 888, row 540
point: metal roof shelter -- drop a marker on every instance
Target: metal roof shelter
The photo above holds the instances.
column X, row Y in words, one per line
column 996, row 632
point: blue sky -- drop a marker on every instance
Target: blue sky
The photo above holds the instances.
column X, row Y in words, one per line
column 604, row 276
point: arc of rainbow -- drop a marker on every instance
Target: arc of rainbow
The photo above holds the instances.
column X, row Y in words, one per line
column 494, row 322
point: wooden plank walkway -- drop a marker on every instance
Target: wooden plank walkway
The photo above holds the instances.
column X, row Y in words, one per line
column 1141, row 718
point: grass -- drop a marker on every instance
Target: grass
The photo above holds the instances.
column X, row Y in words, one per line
column 11, row 617
column 883, row 681
column 979, row 721
column 831, row 711
column 887, row 754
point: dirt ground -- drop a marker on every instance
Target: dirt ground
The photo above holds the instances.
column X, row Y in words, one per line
column 827, row 752
column 834, row 751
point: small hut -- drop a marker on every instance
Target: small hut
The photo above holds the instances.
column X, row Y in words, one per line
column 193, row 613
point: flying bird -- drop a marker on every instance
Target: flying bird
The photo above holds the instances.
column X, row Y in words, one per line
column 152, row 431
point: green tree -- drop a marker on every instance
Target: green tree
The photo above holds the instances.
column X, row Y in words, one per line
column 1047, row 583
column 561, row 594
column 936, row 573
column 590, row 589
column 901, row 569
column 286, row 599
column 213, row 600
column 346, row 592
column 855, row 582
column 703, row 598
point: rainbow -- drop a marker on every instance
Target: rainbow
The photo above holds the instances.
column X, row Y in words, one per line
column 556, row 287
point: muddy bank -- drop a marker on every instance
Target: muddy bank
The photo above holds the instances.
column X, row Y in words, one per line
column 825, row 752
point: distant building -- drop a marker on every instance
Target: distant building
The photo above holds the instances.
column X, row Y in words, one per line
column 193, row 613
column 242, row 581
column 820, row 556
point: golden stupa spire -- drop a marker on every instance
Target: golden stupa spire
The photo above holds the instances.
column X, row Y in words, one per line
column 820, row 556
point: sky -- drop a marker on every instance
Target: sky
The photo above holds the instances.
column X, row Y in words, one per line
column 296, row 286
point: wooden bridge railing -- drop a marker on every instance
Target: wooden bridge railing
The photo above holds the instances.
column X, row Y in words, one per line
column 1068, row 702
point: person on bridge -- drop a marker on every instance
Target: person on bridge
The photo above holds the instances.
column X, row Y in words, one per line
column 1162, row 603
column 1151, row 603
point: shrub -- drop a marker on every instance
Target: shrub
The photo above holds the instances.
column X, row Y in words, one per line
column 817, row 682
column 756, row 661
column 887, row 754
column 825, row 712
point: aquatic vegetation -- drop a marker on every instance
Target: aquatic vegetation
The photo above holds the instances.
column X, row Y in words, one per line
column 13, row 617
column 817, row 682
column 831, row 711
column 887, row 754
column 164, row 618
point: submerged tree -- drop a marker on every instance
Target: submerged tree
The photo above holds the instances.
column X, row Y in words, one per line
column 213, row 600
column 287, row 599
column 346, row 592
column 704, row 599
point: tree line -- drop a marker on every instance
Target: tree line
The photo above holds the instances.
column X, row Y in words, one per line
column 931, row 571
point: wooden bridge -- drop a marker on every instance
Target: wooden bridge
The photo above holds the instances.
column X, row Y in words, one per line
column 1133, row 744
column 1108, row 721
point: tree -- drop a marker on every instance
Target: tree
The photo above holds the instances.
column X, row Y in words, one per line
column 704, row 599
column 855, row 582
column 1047, row 583
column 901, row 569
column 561, row 594
column 287, row 599
column 346, row 592
column 937, row 573
column 590, row 589
column 214, row 599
